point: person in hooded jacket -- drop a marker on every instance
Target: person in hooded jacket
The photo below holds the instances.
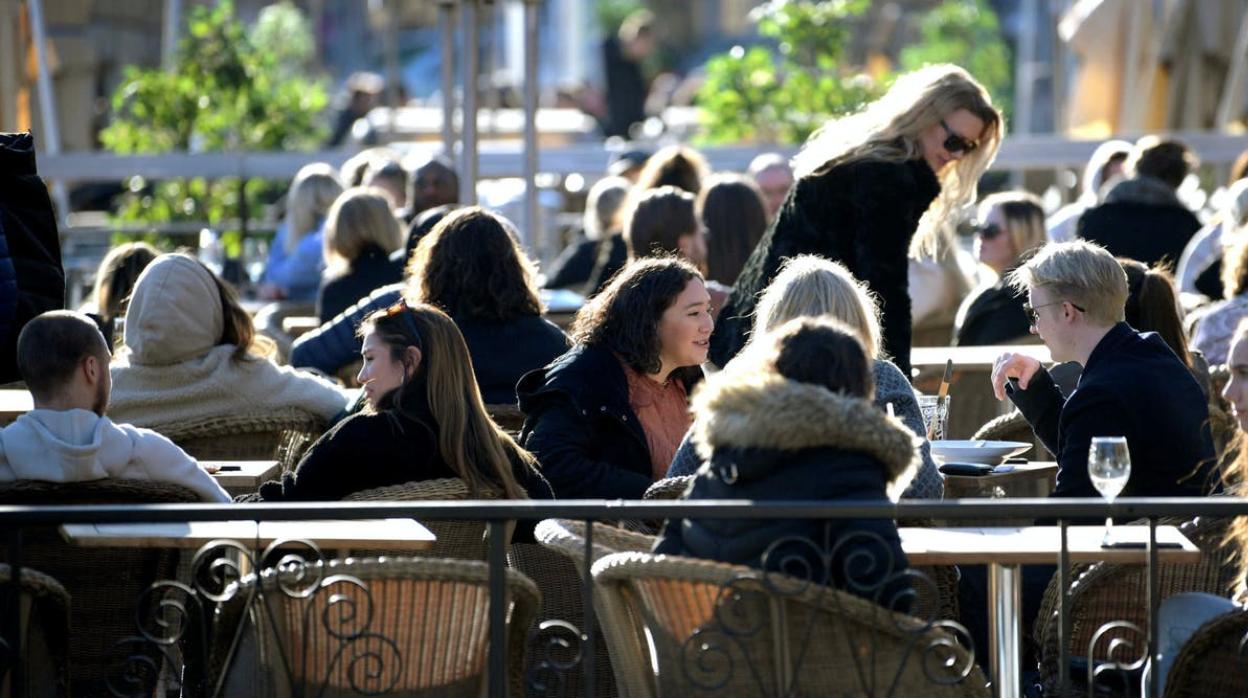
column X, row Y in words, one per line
column 605, row 419
column 425, row 420
column 67, row 437
column 792, row 418
column 192, row 353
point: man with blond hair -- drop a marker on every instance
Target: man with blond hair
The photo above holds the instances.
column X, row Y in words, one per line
column 1132, row 384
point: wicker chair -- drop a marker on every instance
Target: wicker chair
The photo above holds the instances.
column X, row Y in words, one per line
column 509, row 418
column 44, row 608
column 281, row 435
column 669, row 487
column 717, row 628
column 104, row 583
column 425, row 622
column 563, row 554
column 1105, row 592
column 1211, row 663
column 461, row 540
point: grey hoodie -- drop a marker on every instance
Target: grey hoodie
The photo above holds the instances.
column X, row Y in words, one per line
column 79, row 445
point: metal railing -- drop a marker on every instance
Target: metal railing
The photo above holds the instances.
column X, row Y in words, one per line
column 496, row 514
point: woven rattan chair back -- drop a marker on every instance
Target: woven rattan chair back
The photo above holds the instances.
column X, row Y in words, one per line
column 461, row 540
column 44, row 607
column 1102, row 593
column 281, row 435
column 1211, row 664
column 104, row 583
column 410, row 627
column 720, row 629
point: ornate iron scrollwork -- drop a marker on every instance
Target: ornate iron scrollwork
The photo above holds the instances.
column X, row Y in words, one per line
column 557, row 652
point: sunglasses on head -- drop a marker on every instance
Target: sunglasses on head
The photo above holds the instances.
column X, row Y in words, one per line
column 988, row 231
column 401, row 309
column 955, row 143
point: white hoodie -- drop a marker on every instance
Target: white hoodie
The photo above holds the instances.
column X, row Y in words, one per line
column 79, row 445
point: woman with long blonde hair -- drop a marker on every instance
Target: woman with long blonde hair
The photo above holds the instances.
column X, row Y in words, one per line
column 425, row 420
column 293, row 271
column 872, row 188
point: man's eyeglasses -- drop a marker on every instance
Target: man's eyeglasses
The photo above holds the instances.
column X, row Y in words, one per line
column 955, row 143
column 1035, row 317
column 401, row 309
column 988, row 231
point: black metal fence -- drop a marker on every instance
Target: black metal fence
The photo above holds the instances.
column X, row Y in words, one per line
column 734, row 641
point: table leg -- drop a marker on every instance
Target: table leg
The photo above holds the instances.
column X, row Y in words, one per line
column 1005, row 609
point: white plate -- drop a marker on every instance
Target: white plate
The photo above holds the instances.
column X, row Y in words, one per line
column 989, row 452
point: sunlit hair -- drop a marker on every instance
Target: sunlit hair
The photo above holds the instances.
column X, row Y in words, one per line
column 354, row 171
column 625, row 316
column 657, row 219
column 116, row 276
column 1235, row 241
column 811, row 286
column 768, row 161
column 1167, row 160
column 1080, row 272
column 731, row 207
column 675, row 165
column 1235, row 479
column 475, row 448
column 1153, row 306
column 603, row 204
column 889, row 129
column 821, row 351
column 312, row 192
column 238, row 328
column 471, row 266
column 360, row 217
column 1023, row 213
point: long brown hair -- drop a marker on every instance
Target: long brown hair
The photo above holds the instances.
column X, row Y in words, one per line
column 116, row 276
column 657, row 219
column 470, row 266
column 238, row 328
column 1153, row 306
column 469, row 442
column 731, row 207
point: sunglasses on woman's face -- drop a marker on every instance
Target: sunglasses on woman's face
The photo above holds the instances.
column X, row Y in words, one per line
column 987, row 231
column 955, row 143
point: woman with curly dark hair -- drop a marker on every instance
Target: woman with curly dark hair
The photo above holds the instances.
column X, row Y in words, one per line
column 471, row 267
column 605, row 419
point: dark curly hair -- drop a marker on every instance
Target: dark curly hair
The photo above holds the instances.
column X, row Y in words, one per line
column 624, row 317
column 470, row 266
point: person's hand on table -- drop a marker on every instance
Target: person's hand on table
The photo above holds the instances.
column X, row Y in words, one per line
column 1010, row 365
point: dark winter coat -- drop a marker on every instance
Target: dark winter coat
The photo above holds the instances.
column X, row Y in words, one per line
column 8, row 291
column 501, row 352
column 764, row 437
column 581, row 428
column 1134, row 386
column 1141, row 219
column 367, row 273
column 34, row 246
column 994, row 315
column 861, row 214
column 573, row 267
column 626, row 89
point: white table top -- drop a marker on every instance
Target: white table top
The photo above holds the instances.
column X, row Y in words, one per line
column 1037, row 545
column 973, row 358
column 14, row 403
column 243, row 474
column 381, row 534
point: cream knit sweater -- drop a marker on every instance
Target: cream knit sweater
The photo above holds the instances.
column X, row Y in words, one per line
column 170, row 370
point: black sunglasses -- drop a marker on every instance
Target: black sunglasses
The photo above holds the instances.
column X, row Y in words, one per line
column 955, row 143
column 988, row 231
column 1035, row 317
column 401, row 309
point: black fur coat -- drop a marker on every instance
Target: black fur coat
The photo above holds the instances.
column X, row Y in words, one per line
column 861, row 214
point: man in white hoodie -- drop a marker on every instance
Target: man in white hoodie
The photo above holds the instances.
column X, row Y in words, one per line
column 64, row 360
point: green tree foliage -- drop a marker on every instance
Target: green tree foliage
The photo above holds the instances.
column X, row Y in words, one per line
column 966, row 32
column 754, row 95
column 233, row 89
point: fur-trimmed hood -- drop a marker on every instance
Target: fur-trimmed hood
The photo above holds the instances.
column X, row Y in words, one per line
column 762, row 411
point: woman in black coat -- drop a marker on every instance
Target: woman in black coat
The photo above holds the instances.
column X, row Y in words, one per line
column 360, row 234
column 865, row 181
column 791, row 420
column 425, row 420
column 1010, row 229
column 596, row 426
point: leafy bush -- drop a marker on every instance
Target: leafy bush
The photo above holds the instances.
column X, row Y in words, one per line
column 966, row 32
column 232, row 89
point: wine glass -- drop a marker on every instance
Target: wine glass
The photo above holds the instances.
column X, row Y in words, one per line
column 1109, row 467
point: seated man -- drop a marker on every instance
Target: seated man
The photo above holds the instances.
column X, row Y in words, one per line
column 64, row 360
column 1132, row 384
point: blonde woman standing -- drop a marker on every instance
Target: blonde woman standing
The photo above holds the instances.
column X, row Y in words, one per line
column 872, row 187
column 360, row 233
